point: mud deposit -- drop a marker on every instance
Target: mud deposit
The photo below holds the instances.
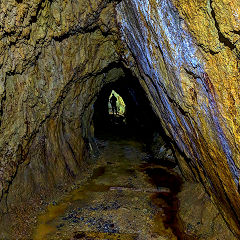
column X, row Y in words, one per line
column 127, row 197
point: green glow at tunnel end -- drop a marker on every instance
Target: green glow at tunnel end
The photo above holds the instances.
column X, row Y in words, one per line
column 121, row 107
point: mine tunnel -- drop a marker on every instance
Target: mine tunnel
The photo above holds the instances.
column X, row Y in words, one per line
column 136, row 118
column 161, row 163
column 133, row 184
column 136, row 123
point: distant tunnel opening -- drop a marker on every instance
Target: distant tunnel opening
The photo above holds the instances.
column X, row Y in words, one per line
column 134, row 120
column 116, row 105
column 133, row 116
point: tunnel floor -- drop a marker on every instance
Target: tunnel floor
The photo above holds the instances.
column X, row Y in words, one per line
column 126, row 197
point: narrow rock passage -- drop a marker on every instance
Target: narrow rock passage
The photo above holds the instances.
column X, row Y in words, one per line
column 125, row 198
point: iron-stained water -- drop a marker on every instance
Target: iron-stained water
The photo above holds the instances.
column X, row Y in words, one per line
column 125, row 198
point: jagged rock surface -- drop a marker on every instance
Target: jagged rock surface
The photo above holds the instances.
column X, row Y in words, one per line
column 187, row 52
column 55, row 56
column 199, row 215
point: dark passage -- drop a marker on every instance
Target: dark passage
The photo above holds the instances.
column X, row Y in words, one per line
column 132, row 190
column 138, row 121
column 140, row 124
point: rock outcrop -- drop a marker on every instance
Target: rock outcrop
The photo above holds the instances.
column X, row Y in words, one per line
column 199, row 216
column 187, row 53
column 55, row 56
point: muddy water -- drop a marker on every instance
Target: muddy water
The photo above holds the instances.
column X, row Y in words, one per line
column 125, row 198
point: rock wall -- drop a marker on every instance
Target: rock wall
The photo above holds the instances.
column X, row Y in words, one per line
column 187, row 53
column 55, row 56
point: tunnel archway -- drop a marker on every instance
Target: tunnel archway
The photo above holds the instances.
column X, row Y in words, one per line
column 52, row 71
column 138, row 119
column 140, row 124
column 116, row 105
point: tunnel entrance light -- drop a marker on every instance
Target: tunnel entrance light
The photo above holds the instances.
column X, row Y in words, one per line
column 120, row 107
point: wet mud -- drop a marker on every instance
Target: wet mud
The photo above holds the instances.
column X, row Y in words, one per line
column 163, row 177
column 126, row 197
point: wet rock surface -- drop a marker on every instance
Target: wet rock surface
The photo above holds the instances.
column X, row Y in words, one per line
column 56, row 56
column 120, row 200
column 187, row 54
column 199, row 215
column 127, row 198
column 49, row 82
